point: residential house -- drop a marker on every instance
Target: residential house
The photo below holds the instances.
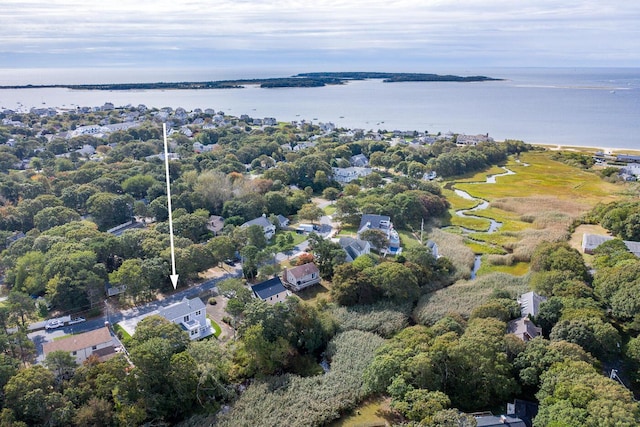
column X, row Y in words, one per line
column 215, row 224
column 99, row 343
column 523, row 327
column 463, row 139
column 301, row 276
column 490, row 420
column 267, row 226
column 359, row 160
column 433, row 247
column 283, row 221
column 346, row 175
column 591, row 241
column 190, row 315
column 384, row 224
column 271, row 291
column 354, row 247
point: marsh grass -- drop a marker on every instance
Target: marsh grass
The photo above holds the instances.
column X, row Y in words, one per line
column 480, row 248
column 452, row 246
column 462, row 297
column 384, row 318
column 539, row 203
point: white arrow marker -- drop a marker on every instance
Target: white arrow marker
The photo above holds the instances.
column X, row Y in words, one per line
column 173, row 276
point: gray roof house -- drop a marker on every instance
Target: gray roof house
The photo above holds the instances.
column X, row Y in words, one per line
column 591, row 241
column 190, row 315
column 382, row 223
column 354, row 247
column 271, row 291
column 283, row 220
column 301, row 276
column 262, row 221
column 523, row 327
column 490, row 420
column 359, row 160
column 215, row 224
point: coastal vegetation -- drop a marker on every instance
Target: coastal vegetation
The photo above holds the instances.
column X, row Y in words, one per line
column 299, row 80
column 412, row 332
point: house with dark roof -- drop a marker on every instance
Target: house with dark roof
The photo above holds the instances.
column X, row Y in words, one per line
column 384, row 224
column 99, row 343
column 271, row 291
column 301, row 276
column 262, row 221
column 490, row 420
column 190, row 315
column 354, row 247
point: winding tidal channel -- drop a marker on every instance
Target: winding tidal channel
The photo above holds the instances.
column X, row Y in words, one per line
column 467, row 213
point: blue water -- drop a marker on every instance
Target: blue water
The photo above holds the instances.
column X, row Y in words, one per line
column 587, row 107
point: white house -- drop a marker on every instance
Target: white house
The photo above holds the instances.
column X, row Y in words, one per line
column 99, row 343
column 346, row 175
column 301, row 276
column 267, row 226
column 463, row 139
column 384, row 224
column 190, row 315
column 271, row 291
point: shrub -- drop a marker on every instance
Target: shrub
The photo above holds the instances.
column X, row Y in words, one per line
column 295, row 401
column 213, row 301
column 383, row 318
column 464, row 296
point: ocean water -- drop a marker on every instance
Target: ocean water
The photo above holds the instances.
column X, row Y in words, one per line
column 585, row 106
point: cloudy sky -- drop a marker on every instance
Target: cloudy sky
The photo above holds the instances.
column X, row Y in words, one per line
column 318, row 35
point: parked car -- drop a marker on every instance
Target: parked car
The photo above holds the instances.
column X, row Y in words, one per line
column 76, row 320
column 53, row 324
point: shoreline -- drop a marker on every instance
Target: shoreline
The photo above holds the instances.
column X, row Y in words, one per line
column 587, row 148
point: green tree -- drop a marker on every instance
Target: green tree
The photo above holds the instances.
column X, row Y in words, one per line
column 138, row 185
column 575, row 394
column 53, row 216
column 26, row 394
column 61, row 363
column 328, row 254
column 108, row 210
column 310, row 212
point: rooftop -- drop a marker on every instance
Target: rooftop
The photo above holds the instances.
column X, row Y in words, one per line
column 181, row 309
column 79, row 341
column 268, row 288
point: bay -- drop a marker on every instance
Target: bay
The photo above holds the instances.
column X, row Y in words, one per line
column 595, row 107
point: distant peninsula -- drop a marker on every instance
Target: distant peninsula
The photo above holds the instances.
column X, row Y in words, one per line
column 299, row 80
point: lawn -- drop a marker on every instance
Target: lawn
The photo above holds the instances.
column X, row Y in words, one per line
column 217, row 330
column 374, row 412
column 121, row 332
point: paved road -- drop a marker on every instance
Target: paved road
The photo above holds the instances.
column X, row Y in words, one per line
column 114, row 316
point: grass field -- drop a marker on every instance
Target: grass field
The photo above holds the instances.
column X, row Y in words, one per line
column 537, row 203
column 374, row 412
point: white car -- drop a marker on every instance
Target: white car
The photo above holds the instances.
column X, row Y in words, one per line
column 53, row 324
column 76, row 320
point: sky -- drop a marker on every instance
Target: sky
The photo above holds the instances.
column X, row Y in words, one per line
column 318, row 35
